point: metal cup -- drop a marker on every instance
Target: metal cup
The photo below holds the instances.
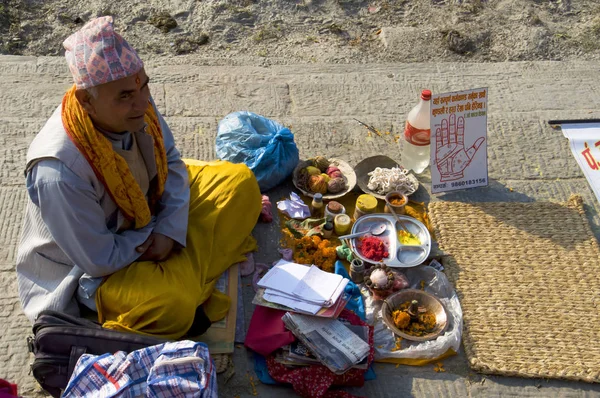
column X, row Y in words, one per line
column 395, row 196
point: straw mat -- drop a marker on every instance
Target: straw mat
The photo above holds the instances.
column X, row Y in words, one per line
column 222, row 362
column 528, row 278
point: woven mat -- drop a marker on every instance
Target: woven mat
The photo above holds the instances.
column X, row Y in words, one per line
column 528, row 278
column 222, row 362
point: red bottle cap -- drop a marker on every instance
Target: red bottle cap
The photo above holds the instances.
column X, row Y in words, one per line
column 426, row 95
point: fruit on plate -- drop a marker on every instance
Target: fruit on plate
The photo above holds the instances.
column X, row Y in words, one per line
column 331, row 169
column 303, row 177
column 321, row 162
column 317, row 184
column 336, row 174
column 336, row 185
column 321, row 176
column 313, row 171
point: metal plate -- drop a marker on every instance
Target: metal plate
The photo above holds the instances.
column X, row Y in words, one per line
column 345, row 168
column 426, row 300
column 400, row 256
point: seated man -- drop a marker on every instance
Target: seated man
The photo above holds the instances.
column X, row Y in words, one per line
column 115, row 220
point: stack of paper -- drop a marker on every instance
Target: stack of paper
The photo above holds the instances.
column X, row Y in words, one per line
column 298, row 354
column 302, row 288
column 325, row 312
column 331, row 342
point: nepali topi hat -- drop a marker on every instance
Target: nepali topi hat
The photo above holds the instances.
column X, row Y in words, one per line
column 96, row 54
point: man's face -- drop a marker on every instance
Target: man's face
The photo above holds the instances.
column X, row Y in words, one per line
column 120, row 105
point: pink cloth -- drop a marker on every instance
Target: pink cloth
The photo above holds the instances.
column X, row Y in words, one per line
column 7, row 389
column 266, row 214
column 286, row 254
column 261, row 270
column 247, row 266
column 267, row 331
column 96, row 54
column 315, row 381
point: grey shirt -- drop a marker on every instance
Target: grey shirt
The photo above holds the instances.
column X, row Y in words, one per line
column 82, row 223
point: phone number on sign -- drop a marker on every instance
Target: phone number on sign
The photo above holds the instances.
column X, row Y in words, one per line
column 468, row 182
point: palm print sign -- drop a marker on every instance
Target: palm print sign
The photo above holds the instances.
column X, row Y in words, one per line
column 451, row 157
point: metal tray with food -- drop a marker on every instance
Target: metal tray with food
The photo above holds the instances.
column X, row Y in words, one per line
column 404, row 249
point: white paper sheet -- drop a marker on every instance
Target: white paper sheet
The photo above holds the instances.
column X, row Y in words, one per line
column 294, row 207
column 284, row 276
column 458, row 152
column 301, row 287
column 318, row 287
column 292, row 303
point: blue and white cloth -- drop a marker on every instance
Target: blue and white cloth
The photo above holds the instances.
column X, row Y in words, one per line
column 169, row 370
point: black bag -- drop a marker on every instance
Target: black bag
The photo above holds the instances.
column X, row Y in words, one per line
column 60, row 339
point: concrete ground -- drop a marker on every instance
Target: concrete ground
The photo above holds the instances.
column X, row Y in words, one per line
column 528, row 161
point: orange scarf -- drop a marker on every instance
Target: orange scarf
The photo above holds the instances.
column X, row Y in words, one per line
column 110, row 168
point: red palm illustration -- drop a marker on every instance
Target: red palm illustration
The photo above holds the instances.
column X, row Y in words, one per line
column 451, row 157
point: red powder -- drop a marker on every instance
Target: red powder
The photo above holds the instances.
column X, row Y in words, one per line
column 373, row 248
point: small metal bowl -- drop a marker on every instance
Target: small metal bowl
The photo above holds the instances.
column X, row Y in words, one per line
column 426, row 300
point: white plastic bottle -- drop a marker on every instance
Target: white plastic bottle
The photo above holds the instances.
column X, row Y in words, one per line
column 414, row 143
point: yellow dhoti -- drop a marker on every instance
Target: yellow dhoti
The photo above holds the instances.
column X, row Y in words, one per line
column 160, row 298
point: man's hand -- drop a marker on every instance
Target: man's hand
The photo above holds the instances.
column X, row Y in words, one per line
column 156, row 248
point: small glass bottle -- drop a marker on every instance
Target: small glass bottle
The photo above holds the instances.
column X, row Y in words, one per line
column 332, row 209
column 327, row 229
column 365, row 204
column 317, row 208
column 357, row 271
column 342, row 224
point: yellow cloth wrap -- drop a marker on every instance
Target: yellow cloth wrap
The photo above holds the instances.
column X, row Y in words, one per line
column 160, row 298
column 418, row 361
column 109, row 166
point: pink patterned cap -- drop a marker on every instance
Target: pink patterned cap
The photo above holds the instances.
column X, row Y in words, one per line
column 96, row 54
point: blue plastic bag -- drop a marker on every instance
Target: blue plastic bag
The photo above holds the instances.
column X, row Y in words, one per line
column 264, row 145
